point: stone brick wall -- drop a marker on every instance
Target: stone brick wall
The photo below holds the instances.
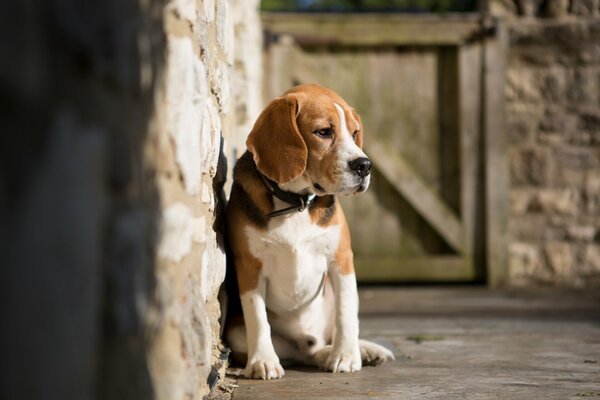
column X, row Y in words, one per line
column 553, row 127
column 117, row 120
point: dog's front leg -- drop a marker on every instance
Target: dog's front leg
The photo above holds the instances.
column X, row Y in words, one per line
column 263, row 362
column 345, row 352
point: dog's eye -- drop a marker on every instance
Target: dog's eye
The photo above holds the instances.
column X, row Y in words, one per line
column 355, row 135
column 324, row 133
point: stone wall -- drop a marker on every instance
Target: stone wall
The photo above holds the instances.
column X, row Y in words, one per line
column 113, row 159
column 553, row 127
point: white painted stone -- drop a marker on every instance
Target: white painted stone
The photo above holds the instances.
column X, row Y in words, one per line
column 205, row 194
column 202, row 36
column 179, row 228
column 209, row 10
column 187, row 91
column 221, row 85
column 208, row 197
column 199, row 229
column 216, row 267
column 210, row 135
column 204, row 266
column 166, row 367
column 199, row 104
column 185, row 9
column 225, row 30
column 212, row 269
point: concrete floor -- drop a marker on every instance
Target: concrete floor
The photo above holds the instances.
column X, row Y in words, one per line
column 462, row 343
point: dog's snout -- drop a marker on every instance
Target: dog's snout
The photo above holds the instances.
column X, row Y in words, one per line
column 361, row 165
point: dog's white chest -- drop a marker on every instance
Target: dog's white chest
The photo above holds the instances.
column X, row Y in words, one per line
column 295, row 254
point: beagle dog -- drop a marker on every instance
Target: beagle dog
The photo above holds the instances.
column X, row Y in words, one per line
column 289, row 239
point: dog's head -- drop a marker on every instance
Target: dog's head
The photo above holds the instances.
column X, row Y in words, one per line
column 311, row 139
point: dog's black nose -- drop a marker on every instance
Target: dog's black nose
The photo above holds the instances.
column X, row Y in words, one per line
column 362, row 166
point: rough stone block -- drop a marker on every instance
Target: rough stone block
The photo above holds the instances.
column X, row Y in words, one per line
column 586, row 8
column 557, row 201
column 584, row 233
column 573, row 157
column 187, row 95
column 185, row 9
column 212, row 273
column 592, row 192
column 208, row 8
column 179, row 229
column 555, row 228
column 524, row 262
column 557, row 120
column 522, row 84
column 582, row 86
column 521, row 123
column 590, row 121
column 210, row 137
column 529, row 167
column 564, row 34
column 553, row 84
column 529, row 228
column 219, row 82
column 557, row 8
column 587, row 55
column 225, row 30
column 559, row 256
column 591, row 259
column 521, row 200
column 568, row 177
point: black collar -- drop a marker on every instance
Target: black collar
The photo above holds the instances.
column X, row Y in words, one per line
column 299, row 202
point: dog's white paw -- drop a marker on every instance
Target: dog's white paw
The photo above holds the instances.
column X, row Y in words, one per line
column 374, row 354
column 344, row 359
column 269, row 368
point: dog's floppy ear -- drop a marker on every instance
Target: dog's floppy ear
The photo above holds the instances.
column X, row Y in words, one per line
column 275, row 142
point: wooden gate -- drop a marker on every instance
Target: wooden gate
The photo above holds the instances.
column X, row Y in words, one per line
column 430, row 93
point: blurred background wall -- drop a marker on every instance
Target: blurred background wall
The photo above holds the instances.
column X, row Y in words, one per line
column 553, row 129
column 117, row 121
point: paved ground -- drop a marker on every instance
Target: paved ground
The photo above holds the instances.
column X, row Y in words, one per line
column 463, row 343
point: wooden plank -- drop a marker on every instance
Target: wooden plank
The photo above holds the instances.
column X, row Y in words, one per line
column 449, row 131
column 496, row 171
column 471, row 164
column 408, row 183
column 374, row 29
column 421, row 269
